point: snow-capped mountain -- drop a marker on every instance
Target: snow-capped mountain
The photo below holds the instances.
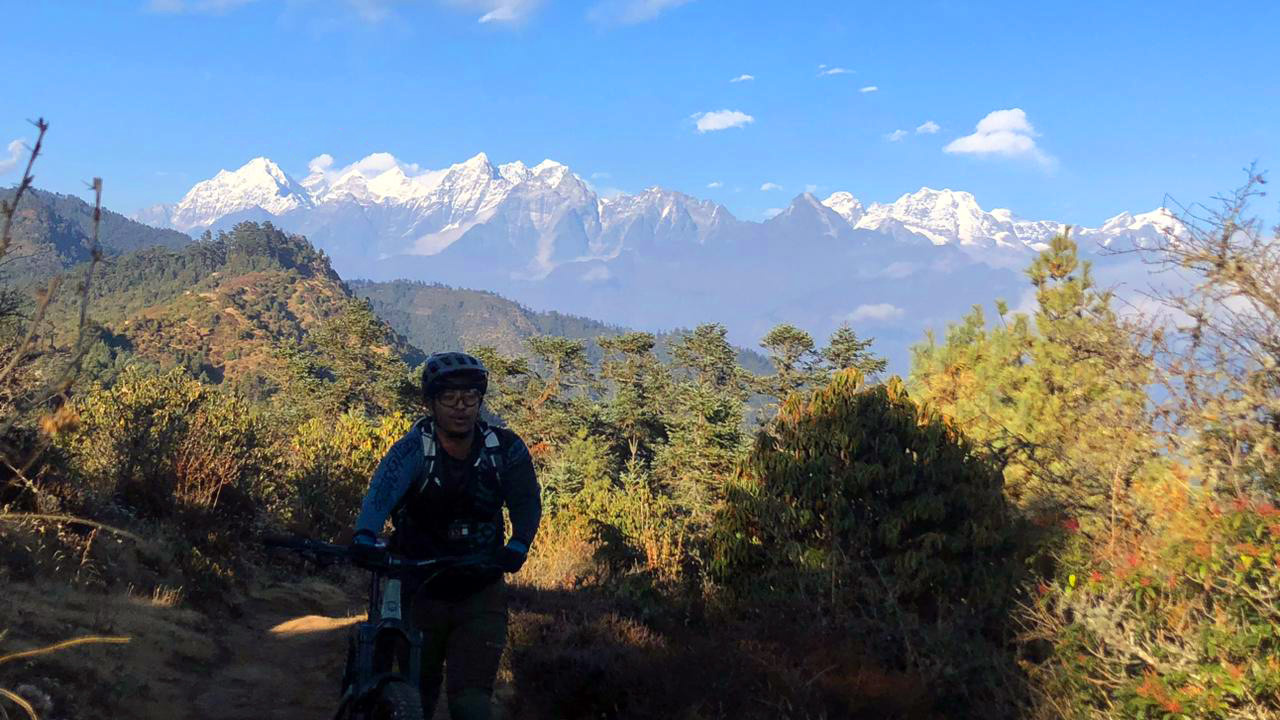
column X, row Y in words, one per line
column 655, row 259
column 945, row 217
column 379, row 207
column 260, row 186
column 846, row 206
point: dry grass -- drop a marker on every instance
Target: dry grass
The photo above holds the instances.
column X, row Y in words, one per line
column 162, row 642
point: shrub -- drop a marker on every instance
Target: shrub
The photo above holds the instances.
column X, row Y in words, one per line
column 861, row 508
column 330, row 462
column 1180, row 617
column 126, row 447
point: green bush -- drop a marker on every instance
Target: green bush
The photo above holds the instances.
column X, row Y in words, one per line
column 330, row 462
column 867, row 511
column 161, row 443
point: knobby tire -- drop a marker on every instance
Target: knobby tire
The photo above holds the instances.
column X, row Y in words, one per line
column 397, row 700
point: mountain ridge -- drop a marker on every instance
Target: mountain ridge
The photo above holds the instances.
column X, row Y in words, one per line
column 434, row 208
column 657, row 259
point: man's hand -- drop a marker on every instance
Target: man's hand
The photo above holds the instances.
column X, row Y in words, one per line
column 511, row 557
column 364, row 546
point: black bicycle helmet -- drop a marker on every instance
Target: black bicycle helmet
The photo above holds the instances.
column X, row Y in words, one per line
column 447, row 364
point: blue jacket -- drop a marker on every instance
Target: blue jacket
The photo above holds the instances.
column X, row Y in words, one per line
column 402, row 468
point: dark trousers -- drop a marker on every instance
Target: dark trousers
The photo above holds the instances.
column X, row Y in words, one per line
column 466, row 637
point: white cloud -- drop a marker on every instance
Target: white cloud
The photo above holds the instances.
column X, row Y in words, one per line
column 321, row 167
column 630, row 12
column 600, row 176
column 928, row 128
column 824, row 70
column 491, row 11
column 898, row 270
column 772, row 213
column 721, row 120
column 811, row 188
column 879, row 312
column 14, row 151
column 743, row 78
column 767, row 187
column 715, row 184
column 320, row 163
column 869, row 89
column 1002, row 132
column 896, row 135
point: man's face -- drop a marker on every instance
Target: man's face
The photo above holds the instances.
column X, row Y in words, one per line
column 456, row 406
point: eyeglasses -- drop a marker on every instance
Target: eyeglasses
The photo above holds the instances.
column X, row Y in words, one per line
column 460, row 397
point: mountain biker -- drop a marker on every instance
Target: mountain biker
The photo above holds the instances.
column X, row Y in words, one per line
column 444, row 485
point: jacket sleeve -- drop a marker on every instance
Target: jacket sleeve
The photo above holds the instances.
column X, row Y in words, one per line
column 523, row 495
column 395, row 475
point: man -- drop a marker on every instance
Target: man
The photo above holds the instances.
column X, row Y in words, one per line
column 444, row 485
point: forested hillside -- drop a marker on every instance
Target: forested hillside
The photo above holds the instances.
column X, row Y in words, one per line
column 435, row 316
column 52, row 232
column 234, row 308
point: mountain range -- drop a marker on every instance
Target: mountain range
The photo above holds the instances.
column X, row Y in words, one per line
column 656, row 259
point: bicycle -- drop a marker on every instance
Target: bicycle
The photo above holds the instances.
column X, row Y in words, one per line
column 380, row 680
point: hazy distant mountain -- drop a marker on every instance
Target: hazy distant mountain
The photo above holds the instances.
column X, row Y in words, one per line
column 52, row 232
column 654, row 260
column 948, row 217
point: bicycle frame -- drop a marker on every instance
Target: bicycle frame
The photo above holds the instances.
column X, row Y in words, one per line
column 378, row 645
column 385, row 647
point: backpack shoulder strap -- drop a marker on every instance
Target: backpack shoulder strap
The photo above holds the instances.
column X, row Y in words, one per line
column 426, row 430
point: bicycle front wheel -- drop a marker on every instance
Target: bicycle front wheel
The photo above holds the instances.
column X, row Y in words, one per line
column 397, row 700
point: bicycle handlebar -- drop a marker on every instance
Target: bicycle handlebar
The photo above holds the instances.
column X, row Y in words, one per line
column 384, row 559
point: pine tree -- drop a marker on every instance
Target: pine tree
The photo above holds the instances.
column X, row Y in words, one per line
column 641, row 388
column 704, row 415
column 795, row 361
column 845, row 351
column 1058, row 398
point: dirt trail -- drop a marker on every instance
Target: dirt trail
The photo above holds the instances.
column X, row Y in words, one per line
column 278, row 658
column 282, row 659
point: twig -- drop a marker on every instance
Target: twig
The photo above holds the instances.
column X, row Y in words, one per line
column 71, row 520
column 86, row 640
column 12, row 209
column 20, row 702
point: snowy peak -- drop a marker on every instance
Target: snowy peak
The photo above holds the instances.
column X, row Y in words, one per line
column 1160, row 219
column 1142, row 230
column 258, row 185
column 544, row 215
column 375, row 178
column 943, row 216
column 660, row 215
column 946, row 217
column 807, row 217
column 846, row 206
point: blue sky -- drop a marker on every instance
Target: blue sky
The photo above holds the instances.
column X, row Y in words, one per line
column 1120, row 103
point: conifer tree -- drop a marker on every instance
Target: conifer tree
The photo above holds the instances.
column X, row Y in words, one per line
column 795, row 361
column 845, row 351
column 640, row 390
column 704, row 414
column 1058, row 397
